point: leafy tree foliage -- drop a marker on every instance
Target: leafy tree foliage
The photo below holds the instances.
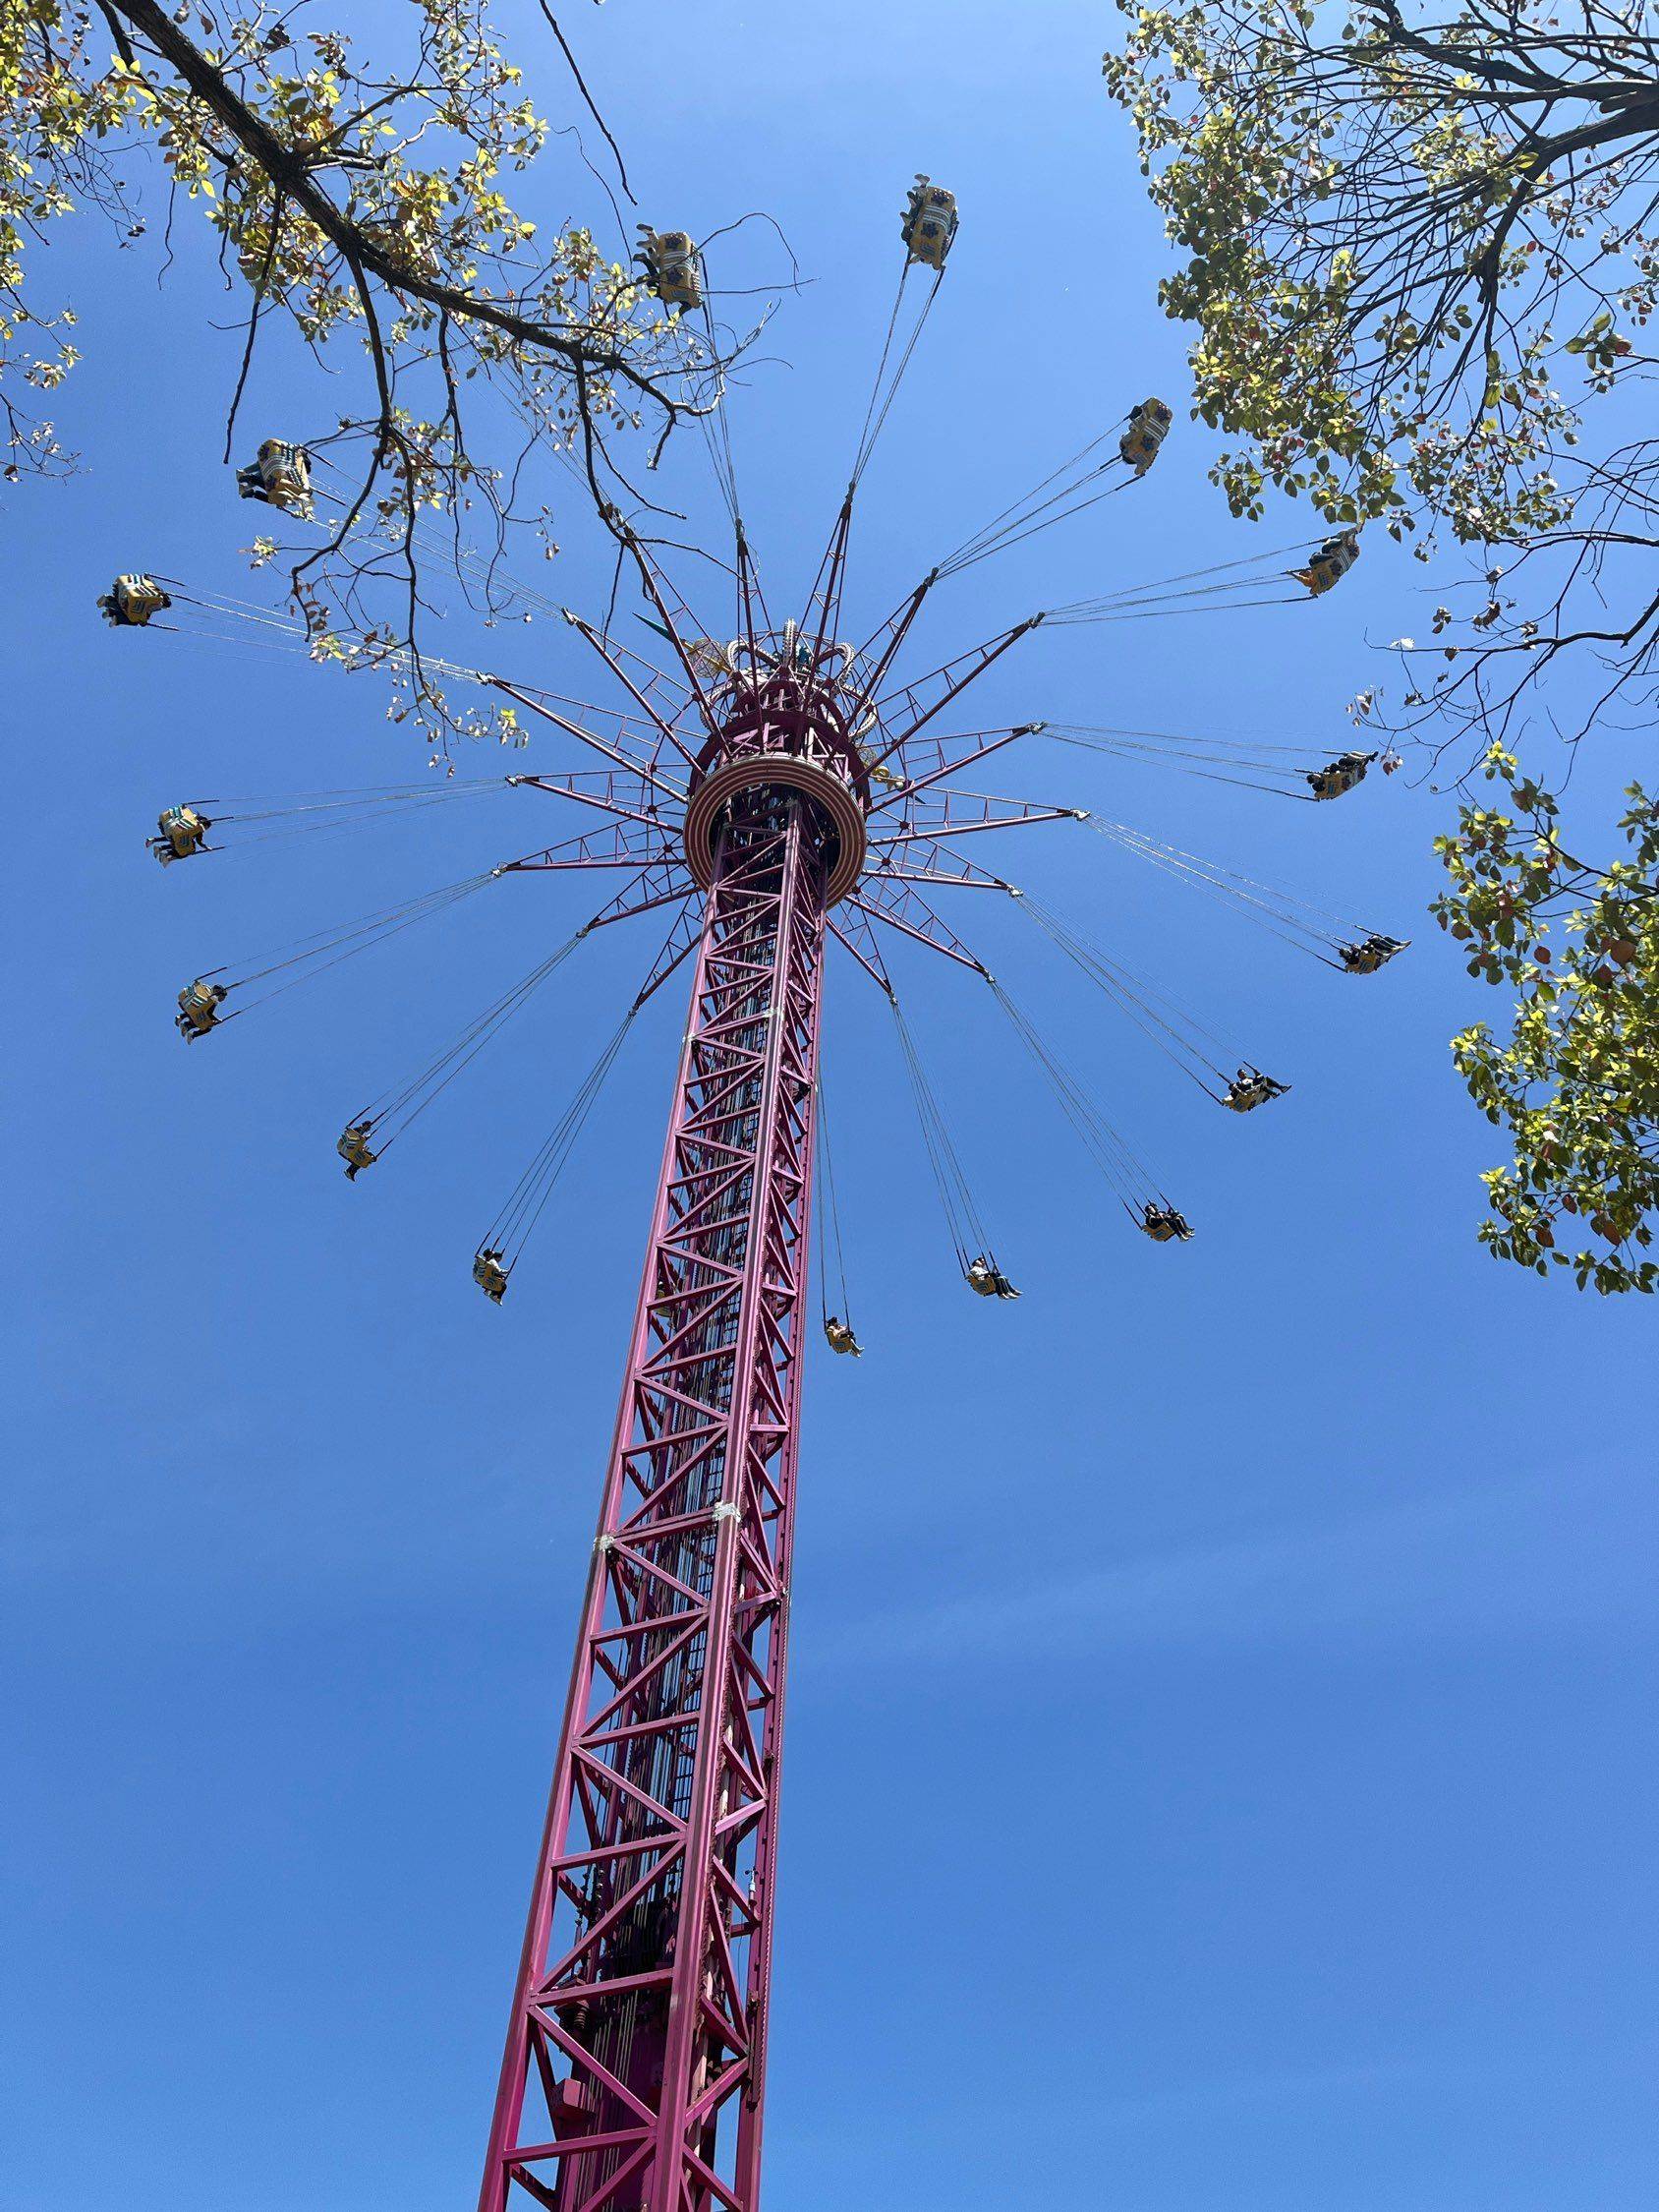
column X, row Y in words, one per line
column 1577, row 1080
column 1402, row 232
column 354, row 199
column 1420, row 253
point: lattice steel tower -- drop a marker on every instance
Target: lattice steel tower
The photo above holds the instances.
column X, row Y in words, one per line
column 635, row 2055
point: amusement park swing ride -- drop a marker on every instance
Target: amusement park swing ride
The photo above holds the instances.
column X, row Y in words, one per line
column 776, row 797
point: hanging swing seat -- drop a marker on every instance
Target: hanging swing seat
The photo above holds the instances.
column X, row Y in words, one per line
column 199, row 1008
column 1166, row 1225
column 1250, row 1088
column 670, row 263
column 182, row 834
column 353, row 1148
column 131, row 601
column 1147, row 426
column 1339, row 777
column 929, row 222
column 1329, row 563
column 280, row 475
column 1369, row 954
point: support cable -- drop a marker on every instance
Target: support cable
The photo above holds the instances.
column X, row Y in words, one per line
column 1153, row 610
column 898, row 378
column 832, row 1266
column 967, row 1228
column 296, row 638
column 1255, row 750
column 511, row 1230
column 1259, row 767
column 1105, row 602
column 881, row 369
column 1311, row 929
column 395, row 1110
column 1179, row 1036
column 1028, row 515
column 329, row 947
column 1010, row 514
column 1040, row 521
column 717, row 426
column 1128, row 1176
column 882, row 397
column 487, row 571
column 341, row 810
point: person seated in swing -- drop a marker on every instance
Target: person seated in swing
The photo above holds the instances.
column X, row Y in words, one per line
column 1329, row 565
column 1165, row 1224
column 183, row 834
column 199, row 1008
column 1339, row 777
column 1250, row 1088
column 132, row 601
column 929, row 223
column 672, row 270
column 841, row 1338
column 989, row 1280
column 1370, row 952
column 1147, row 426
column 490, row 1274
column 280, row 475
column 353, row 1148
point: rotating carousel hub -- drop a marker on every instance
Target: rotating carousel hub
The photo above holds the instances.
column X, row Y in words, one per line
column 791, row 718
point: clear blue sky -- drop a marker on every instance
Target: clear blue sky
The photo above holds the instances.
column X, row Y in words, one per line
column 1220, row 1775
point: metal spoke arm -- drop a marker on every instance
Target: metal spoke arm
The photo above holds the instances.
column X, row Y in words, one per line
column 900, row 907
column 931, row 694
column 657, row 885
column 639, row 693
column 613, row 748
column 749, row 590
column 627, row 795
column 851, row 930
column 936, row 863
column 885, row 642
column 680, row 942
column 678, row 622
column 961, row 814
column 661, row 686
column 940, row 757
column 623, row 845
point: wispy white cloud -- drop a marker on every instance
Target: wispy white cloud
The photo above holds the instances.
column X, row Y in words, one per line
column 1562, row 1553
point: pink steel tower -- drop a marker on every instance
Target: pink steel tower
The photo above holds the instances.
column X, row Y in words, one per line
column 635, row 2063
column 644, row 1977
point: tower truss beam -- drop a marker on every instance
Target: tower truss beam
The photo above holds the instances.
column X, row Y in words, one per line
column 636, row 2050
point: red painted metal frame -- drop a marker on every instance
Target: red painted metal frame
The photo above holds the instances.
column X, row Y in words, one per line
column 636, row 2050
column 634, row 2073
